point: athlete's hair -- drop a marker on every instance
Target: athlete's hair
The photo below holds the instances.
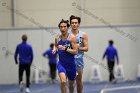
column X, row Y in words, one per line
column 51, row 45
column 64, row 21
column 111, row 42
column 24, row 37
column 75, row 17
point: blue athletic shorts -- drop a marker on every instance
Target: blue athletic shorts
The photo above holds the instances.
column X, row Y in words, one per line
column 69, row 70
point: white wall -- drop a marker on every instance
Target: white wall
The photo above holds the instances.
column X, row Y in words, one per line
column 40, row 39
column 114, row 12
column 44, row 12
column 5, row 14
column 128, row 51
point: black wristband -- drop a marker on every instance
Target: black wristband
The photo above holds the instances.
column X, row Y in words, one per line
column 66, row 48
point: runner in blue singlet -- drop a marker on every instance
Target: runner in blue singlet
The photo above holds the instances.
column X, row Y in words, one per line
column 65, row 43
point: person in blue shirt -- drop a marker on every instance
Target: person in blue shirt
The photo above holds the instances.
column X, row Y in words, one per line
column 111, row 54
column 65, row 43
column 52, row 58
column 24, row 57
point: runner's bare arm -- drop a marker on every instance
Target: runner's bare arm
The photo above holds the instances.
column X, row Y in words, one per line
column 85, row 42
column 74, row 49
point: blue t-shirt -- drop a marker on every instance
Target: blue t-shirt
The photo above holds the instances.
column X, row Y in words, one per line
column 51, row 57
column 25, row 53
column 111, row 53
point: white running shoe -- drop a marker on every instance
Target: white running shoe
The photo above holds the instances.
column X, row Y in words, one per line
column 76, row 73
column 21, row 86
column 27, row 90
